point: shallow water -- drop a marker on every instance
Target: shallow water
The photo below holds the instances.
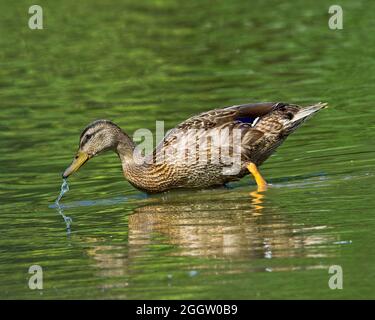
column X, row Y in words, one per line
column 137, row 62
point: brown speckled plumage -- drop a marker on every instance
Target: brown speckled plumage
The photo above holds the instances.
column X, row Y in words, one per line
column 263, row 127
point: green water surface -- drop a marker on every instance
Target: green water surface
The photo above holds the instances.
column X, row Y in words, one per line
column 135, row 62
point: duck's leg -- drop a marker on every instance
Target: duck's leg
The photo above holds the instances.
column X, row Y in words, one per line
column 262, row 184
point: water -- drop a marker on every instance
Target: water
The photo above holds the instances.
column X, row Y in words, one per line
column 64, row 189
column 137, row 62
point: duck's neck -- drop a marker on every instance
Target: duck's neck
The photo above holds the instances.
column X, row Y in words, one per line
column 125, row 148
column 134, row 171
column 141, row 174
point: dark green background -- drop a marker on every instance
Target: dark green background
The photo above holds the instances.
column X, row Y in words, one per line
column 135, row 62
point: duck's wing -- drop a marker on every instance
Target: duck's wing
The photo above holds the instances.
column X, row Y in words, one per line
column 241, row 117
column 245, row 113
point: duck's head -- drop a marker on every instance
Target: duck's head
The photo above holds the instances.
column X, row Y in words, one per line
column 99, row 136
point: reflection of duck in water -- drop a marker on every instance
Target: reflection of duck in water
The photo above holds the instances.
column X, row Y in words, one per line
column 222, row 228
column 210, row 225
column 260, row 129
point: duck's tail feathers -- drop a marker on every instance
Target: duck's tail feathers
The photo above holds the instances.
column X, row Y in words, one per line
column 306, row 112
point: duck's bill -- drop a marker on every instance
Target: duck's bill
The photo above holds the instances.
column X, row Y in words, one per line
column 80, row 159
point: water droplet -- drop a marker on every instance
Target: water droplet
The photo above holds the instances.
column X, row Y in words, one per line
column 193, row 273
column 64, row 189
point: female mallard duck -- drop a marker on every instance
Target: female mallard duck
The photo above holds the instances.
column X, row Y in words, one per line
column 261, row 128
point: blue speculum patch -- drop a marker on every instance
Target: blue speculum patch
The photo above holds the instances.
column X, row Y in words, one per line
column 246, row 119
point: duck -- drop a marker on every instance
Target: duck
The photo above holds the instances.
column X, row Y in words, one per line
column 196, row 153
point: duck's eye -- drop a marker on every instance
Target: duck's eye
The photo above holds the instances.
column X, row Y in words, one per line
column 88, row 136
column 290, row 115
